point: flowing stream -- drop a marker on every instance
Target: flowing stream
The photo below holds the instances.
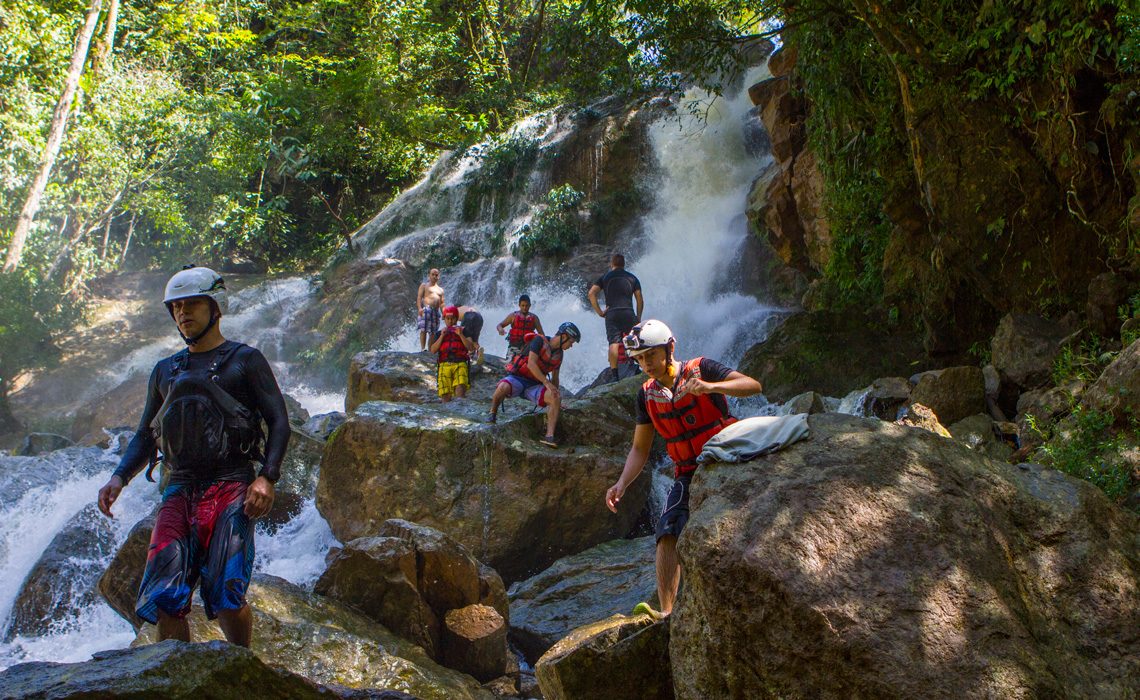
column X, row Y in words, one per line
column 692, row 235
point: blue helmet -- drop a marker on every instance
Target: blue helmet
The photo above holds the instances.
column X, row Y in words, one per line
column 571, row 330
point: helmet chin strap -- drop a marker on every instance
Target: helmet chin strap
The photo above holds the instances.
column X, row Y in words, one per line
column 196, row 338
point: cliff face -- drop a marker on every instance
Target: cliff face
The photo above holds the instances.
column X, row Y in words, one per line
column 987, row 214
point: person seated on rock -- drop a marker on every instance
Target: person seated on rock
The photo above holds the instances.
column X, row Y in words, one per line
column 454, row 350
column 521, row 324
column 203, row 413
column 685, row 403
column 533, row 374
column 472, row 323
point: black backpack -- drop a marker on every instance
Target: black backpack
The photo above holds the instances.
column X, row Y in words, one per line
column 199, row 425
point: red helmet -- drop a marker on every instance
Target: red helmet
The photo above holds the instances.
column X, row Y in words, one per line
column 451, row 311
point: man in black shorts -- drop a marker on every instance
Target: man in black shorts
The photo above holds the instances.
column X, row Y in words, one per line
column 620, row 288
column 684, row 403
column 472, row 323
column 203, row 412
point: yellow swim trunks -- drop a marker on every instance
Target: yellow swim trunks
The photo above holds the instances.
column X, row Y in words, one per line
column 451, row 375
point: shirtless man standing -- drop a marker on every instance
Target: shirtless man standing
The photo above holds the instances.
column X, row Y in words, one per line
column 429, row 301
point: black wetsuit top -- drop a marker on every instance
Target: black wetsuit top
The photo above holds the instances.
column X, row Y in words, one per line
column 246, row 376
column 618, row 287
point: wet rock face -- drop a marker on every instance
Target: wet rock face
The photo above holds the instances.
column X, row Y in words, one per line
column 831, row 353
column 330, row 643
column 1024, row 348
column 511, row 501
column 618, row 657
column 120, row 407
column 580, row 589
column 170, row 669
column 119, row 584
column 362, row 305
column 39, row 443
column 63, row 580
column 872, row 560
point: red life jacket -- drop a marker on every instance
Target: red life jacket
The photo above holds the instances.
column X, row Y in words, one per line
column 549, row 360
column 520, row 326
column 452, row 349
column 686, row 421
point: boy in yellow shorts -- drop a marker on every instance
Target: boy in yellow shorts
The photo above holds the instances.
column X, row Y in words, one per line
column 453, row 349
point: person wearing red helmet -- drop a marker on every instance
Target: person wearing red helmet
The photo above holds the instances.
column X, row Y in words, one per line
column 685, row 403
column 453, row 348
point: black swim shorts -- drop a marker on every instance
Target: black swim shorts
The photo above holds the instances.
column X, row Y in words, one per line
column 676, row 511
column 619, row 322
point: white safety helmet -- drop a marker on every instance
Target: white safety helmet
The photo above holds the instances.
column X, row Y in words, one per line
column 194, row 281
column 645, row 336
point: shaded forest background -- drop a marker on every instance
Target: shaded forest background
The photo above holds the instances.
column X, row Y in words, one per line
column 259, row 134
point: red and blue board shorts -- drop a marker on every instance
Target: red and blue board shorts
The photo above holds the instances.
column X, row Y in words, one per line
column 202, row 533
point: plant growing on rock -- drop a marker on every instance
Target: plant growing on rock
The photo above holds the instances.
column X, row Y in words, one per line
column 556, row 230
column 1086, row 446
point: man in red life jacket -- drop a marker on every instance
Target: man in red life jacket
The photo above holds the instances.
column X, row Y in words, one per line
column 521, row 323
column 685, row 403
column 533, row 374
column 454, row 350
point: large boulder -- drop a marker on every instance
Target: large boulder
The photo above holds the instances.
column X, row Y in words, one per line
column 330, row 643
column 121, row 406
column 953, row 393
column 511, row 501
column 1117, row 391
column 410, row 377
column 38, row 443
column 63, row 580
column 119, row 584
column 619, row 657
column 171, row 669
column 830, row 353
column 408, row 578
column 1024, row 348
column 872, row 560
column 377, row 576
column 580, row 589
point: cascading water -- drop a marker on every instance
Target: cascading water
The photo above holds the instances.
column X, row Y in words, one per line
column 693, row 230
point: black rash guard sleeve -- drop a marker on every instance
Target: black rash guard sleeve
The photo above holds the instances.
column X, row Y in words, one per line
column 271, row 405
column 142, row 446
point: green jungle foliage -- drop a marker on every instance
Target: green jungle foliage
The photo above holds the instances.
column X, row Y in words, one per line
column 557, row 228
column 1086, row 445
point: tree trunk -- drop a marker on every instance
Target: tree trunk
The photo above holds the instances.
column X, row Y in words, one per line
column 55, row 139
column 103, row 57
column 8, row 421
column 130, row 234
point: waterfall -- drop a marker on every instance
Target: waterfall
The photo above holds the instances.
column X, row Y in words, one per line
column 693, row 232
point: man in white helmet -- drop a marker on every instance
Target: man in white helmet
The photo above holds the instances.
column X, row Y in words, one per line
column 685, row 403
column 203, row 414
